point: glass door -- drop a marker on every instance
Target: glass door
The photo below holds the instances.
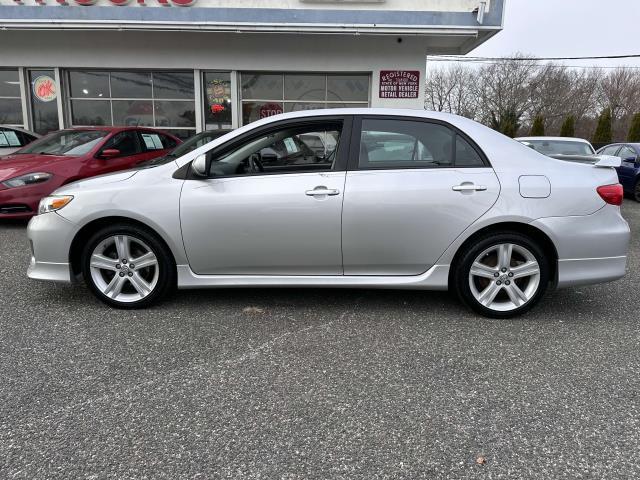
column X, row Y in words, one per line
column 43, row 94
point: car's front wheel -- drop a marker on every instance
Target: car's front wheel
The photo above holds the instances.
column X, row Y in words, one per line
column 502, row 275
column 126, row 266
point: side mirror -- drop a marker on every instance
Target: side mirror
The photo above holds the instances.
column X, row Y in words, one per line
column 200, row 166
column 110, row 153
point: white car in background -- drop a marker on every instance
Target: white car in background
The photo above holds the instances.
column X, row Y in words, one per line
column 14, row 138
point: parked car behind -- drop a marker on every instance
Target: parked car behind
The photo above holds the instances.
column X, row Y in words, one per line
column 65, row 156
column 563, row 148
column 629, row 170
column 408, row 199
column 191, row 143
column 14, row 138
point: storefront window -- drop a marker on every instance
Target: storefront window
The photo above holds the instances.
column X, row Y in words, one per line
column 266, row 94
column 217, row 101
column 152, row 99
column 44, row 105
column 10, row 102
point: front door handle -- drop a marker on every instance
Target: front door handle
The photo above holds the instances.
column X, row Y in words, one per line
column 468, row 187
column 319, row 191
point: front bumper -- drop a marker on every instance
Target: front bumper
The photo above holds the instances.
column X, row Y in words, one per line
column 591, row 248
column 21, row 202
column 50, row 237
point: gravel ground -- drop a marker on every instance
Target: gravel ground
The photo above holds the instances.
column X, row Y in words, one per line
column 305, row 384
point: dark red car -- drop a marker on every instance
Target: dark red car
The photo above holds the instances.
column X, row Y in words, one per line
column 62, row 157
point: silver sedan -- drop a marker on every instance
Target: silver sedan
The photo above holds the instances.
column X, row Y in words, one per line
column 380, row 199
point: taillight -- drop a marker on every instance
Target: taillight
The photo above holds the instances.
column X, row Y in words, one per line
column 612, row 194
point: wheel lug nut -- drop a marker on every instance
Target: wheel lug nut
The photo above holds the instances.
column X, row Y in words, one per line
column 496, row 274
column 510, row 273
column 118, row 265
column 124, row 260
column 498, row 282
column 131, row 274
column 504, row 270
column 131, row 265
column 507, row 282
column 122, row 274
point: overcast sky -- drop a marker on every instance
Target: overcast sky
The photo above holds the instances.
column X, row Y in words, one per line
column 568, row 28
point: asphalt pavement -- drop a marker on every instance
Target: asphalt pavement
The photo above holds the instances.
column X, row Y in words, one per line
column 316, row 384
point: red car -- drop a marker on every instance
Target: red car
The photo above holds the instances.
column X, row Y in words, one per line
column 62, row 157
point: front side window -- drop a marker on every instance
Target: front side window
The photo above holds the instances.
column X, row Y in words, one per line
column 626, row 152
column 125, row 142
column 610, row 150
column 66, row 142
column 296, row 149
column 11, row 138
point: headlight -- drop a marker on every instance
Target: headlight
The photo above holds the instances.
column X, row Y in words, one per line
column 53, row 203
column 28, row 179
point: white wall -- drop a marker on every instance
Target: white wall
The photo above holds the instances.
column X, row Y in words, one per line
column 221, row 51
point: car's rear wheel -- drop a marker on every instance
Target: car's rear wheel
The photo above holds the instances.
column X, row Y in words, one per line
column 126, row 266
column 502, row 275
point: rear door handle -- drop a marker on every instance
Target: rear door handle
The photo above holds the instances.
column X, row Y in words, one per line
column 468, row 187
column 319, row 191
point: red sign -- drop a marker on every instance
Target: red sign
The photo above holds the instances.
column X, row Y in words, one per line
column 270, row 109
column 399, row 83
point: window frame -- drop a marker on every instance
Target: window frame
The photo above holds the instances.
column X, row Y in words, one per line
column 342, row 151
column 356, row 137
column 69, row 99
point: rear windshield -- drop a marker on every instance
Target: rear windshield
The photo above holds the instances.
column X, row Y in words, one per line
column 562, row 147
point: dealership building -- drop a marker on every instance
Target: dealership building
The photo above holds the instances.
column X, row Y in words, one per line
column 192, row 65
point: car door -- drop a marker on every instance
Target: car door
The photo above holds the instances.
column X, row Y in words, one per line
column 412, row 187
column 130, row 152
column 251, row 217
column 627, row 169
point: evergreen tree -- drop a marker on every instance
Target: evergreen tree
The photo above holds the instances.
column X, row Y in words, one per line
column 537, row 129
column 568, row 128
column 506, row 124
column 603, row 130
column 634, row 130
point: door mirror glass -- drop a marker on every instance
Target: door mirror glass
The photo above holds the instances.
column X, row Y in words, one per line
column 199, row 166
column 110, row 153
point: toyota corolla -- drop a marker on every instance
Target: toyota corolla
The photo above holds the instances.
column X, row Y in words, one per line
column 394, row 199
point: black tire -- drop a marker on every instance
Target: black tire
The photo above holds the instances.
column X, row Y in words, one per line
column 460, row 279
column 636, row 191
column 166, row 280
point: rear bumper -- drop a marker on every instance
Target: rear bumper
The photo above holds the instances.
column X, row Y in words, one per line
column 591, row 248
column 50, row 237
column 586, row 271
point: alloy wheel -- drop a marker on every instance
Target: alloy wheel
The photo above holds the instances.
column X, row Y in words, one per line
column 504, row 277
column 124, row 268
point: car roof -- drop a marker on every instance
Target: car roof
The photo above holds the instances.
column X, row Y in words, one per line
column 555, row 139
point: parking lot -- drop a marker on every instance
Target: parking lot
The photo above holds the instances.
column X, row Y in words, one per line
column 301, row 384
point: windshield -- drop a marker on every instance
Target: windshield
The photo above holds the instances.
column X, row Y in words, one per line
column 66, row 142
column 560, row 147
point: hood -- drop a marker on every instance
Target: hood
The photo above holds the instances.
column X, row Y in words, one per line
column 97, row 181
column 15, row 165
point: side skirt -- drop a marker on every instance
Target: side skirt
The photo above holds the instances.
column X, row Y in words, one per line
column 436, row 278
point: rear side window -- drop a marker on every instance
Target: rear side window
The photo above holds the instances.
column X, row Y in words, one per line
column 157, row 141
column 466, row 155
column 9, row 138
column 626, row 152
column 413, row 144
